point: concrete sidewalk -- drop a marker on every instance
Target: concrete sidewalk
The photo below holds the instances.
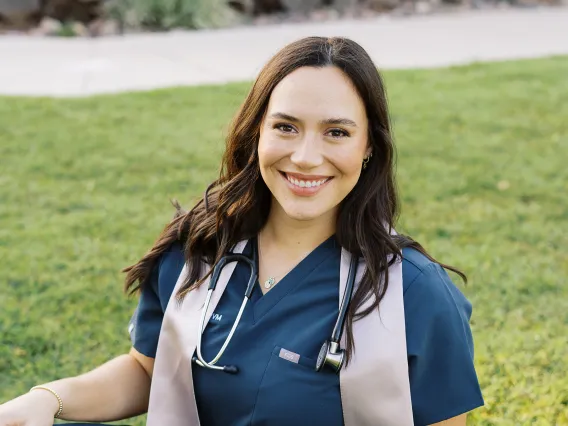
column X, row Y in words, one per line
column 77, row 67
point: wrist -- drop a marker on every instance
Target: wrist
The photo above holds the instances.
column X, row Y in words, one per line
column 48, row 398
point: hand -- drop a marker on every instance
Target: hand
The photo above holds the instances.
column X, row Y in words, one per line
column 36, row 408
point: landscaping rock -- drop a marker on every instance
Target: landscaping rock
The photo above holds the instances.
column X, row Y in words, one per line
column 83, row 11
column 261, row 7
column 295, row 7
column 256, row 7
column 104, row 27
column 343, row 6
column 383, row 5
column 8, row 7
column 19, row 14
column 423, row 7
column 80, row 29
column 47, row 27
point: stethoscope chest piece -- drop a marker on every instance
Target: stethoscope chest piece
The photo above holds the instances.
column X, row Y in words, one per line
column 331, row 356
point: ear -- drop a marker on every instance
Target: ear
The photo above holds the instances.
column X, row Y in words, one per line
column 369, row 151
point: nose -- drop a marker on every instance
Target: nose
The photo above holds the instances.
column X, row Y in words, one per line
column 307, row 153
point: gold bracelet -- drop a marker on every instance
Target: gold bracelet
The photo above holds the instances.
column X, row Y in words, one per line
column 55, row 394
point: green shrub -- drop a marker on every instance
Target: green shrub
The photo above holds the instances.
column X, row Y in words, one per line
column 165, row 15
column 66, row 30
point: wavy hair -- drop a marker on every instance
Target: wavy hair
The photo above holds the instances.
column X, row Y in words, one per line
column 236, row 205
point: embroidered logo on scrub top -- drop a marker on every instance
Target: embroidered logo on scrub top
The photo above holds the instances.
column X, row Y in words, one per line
column 217, row 317
column 289, row 356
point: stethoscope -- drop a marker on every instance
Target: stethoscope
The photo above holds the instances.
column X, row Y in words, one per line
column 330, row 355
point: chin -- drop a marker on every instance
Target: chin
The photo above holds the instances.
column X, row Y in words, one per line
column 301, row 213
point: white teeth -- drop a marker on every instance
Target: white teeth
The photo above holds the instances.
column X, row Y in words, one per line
column 306, row 183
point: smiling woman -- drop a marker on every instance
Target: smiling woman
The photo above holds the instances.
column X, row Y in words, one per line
column 290, row 277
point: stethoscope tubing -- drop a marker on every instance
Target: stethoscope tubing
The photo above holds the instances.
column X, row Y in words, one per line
column 345, row 301
column 231, row 257
column 229, row 336
column 235, row 257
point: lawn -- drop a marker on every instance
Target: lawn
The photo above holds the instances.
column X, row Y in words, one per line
column 85, row 186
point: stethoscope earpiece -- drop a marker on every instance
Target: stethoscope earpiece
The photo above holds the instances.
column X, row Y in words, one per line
column 231, row 369
column 330, row 355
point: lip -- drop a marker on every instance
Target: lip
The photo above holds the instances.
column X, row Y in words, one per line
column 305, row 192
column 305, row 177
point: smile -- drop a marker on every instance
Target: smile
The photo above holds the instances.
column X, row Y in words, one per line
column 305, row 185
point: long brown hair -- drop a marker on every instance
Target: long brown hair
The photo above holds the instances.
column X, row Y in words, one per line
column 236, row 205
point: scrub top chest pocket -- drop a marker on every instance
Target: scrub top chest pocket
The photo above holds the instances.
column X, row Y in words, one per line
column 301, row 396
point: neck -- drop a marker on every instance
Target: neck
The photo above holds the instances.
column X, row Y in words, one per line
column 296, row 235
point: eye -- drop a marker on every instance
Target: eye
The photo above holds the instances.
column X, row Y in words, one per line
column 284, row 128
column 338, row 133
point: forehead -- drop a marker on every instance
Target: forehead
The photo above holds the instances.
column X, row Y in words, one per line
column 319, row 93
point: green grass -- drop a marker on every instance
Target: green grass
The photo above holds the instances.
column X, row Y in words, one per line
column 85, row 188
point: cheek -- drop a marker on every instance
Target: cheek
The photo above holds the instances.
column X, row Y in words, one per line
column 269, row 150
column 268, row 155
column 348, row 162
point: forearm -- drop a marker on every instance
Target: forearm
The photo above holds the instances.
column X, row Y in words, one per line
column 116, row 390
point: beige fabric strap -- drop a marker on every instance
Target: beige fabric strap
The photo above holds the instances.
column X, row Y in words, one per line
column 375, row 388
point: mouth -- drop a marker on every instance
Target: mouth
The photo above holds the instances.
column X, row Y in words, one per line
column 305, row 184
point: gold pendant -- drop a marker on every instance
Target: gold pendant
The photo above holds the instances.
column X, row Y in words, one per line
column 269, row 282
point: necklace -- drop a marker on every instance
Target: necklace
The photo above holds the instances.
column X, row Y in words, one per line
column 271, row 280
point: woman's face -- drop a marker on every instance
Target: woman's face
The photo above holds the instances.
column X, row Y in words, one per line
column 313, row 139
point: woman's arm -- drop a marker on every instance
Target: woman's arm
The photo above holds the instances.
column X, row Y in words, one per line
column 116, row 390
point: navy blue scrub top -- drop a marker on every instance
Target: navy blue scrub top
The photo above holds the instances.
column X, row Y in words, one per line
column 298, row 315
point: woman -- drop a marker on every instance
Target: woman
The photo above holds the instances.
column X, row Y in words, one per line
column 307, row 194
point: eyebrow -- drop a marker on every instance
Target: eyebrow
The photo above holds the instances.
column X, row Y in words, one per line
column 328, row 121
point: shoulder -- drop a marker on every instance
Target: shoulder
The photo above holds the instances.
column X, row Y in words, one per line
column 166, row 272
column 433, row 305
column 426, row 280
column 172, row 259
column 414, row 266
column 146, row 321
